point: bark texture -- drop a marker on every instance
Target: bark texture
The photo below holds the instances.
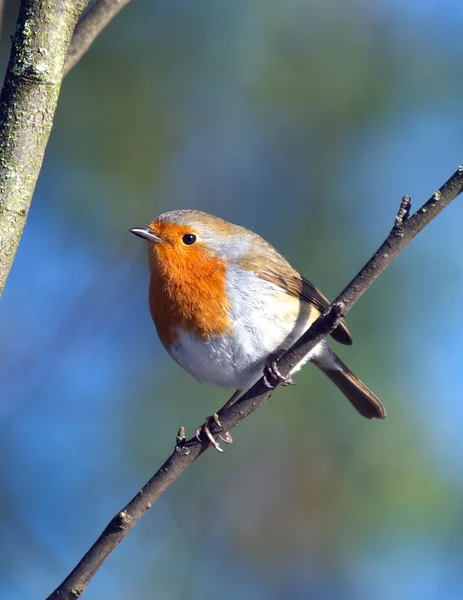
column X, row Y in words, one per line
column 27, row 107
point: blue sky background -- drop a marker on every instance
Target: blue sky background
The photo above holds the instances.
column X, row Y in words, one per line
column 306, row 121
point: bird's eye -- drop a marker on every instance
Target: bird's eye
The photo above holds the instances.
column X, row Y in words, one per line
column 188, row 239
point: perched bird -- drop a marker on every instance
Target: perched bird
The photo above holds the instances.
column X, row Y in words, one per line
column 226, row 304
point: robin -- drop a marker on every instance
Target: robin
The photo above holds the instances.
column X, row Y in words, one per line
column 226, row 305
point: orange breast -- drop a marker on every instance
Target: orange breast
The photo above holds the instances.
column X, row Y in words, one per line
column 187, row 291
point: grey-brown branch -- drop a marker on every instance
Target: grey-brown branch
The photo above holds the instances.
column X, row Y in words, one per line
column 404, row 230
column 89, row 27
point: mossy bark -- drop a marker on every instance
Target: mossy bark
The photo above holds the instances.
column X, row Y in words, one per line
column 27, row 108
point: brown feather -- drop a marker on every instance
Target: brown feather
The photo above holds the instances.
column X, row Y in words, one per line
column 355, row 390
column 278, row 271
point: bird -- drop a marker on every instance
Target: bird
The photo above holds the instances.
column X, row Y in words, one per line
column 226, row 304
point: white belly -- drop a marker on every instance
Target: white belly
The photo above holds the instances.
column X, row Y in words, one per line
column 264, row 319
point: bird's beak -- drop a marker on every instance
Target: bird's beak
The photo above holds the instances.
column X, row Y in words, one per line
column 147, row 234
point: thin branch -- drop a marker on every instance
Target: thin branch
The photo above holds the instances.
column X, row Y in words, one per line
column 89, row 27
column 2, row 13
column 27, row 108
column 404, row 230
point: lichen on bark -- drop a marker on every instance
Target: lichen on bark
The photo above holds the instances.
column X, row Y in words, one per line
column 27, row 107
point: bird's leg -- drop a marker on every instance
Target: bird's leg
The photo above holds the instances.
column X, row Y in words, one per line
column 205, row 429
column 272, row 374
column 225, row 436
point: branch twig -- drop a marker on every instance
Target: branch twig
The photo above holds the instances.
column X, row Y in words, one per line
column 89, row 27
column 404, row 230
column 2, row 12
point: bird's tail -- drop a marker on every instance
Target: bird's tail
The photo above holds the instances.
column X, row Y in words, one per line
column 350, row 385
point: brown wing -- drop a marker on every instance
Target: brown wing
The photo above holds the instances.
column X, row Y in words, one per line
column 277, row 270
column 312, row 294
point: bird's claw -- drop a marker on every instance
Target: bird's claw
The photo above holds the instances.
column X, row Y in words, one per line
column 272, row 374
column 205, row 429
column 226, row 437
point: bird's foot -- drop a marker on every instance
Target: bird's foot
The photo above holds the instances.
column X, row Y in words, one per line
column 205, row 429
column 272, row 375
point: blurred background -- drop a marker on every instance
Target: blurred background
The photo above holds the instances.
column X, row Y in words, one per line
column 305, row 120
